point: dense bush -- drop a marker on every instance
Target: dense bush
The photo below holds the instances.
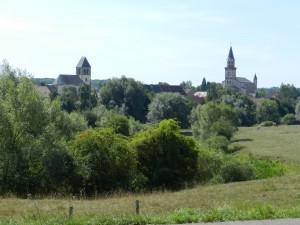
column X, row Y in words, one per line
column 234, row 170
column 119, row 123
column 217, row 142
column 209, row 164
column 170, row 106
column 165, row 157
column 125, row 95
column 104, row 161
column 289, row 119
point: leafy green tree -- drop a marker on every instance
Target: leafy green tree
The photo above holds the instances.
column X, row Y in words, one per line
column 69, row 98
column 170, row 105
column 33, row 134
column 244, row 107
column 66, row 124
column 289, row 119
column 210, row 118
column 91, row 118
column 119, row 123
column 215, row 91
column 166, row 158
column 297, row 111
column 88, row 98
column 187, row 85
column 125, row 95
column 28, row 145
column 288, row 95
column 289, row 92
column 104, row 161
column 267, row 110
column 261, row 93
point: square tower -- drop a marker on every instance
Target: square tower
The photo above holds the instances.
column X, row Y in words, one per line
column 83, row 70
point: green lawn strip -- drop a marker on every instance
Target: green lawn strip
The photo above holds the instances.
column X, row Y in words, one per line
column 243, row 212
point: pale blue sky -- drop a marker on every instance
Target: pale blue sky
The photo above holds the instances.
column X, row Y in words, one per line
column 153, row 41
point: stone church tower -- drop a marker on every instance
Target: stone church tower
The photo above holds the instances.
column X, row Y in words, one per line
column 83, row 70
column 239, row 84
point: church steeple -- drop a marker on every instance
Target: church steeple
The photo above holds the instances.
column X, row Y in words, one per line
column 230, row 69
column 230, row 59
column 230, row 54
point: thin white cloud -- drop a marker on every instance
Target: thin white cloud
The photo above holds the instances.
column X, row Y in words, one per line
column 8, row 24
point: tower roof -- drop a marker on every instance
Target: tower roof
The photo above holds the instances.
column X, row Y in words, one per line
column 230, row 54
column 83, row 63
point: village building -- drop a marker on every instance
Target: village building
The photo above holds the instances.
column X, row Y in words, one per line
column 240, row 84
column 83, row 76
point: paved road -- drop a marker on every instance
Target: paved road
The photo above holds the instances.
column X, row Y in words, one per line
column 254, row 222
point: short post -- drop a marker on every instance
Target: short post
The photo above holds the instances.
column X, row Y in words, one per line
column 70, row 211
column 29, row 196
column 137, row 207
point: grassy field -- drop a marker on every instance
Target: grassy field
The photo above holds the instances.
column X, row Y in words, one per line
column 258, row 199
column 280, row 143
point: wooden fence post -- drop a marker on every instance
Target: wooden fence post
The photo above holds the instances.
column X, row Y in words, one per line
column 137, row 207
column 70, row 211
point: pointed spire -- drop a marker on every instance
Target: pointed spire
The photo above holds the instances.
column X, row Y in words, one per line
column 255, row 77
column 83, row 63
column 230, row 55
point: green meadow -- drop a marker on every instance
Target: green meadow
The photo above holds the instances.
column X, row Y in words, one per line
column 277, row 197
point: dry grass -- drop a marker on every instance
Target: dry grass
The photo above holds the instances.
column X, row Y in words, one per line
column 280, row 192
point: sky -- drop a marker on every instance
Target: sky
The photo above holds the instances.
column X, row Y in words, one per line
column 154, row 41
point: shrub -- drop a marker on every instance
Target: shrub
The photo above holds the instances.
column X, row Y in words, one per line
column 266, row 168
column 289, row 119
column 209, row 164
column 104, row 161
column 217, row 142
column 267, row 123
column 234, row 170
column 119, row 123
column 167, row 158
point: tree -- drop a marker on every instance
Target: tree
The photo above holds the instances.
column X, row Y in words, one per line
column 215, row 91
column 33, row 138
column 187, row 85
column 125, row 95
column 287, row 101
column 87, row 97
column 260, row 93
column 288, row 92
column 289, row 119
column 297, row 111
column 203, row 85
column 214, row 118
column 267, row 110
column 170, row 105
column 66, row 124
column 244, row 107
column 69, row 98
column 104, row 161
column 165, row 157
column 119, row 123
column 33, row 158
